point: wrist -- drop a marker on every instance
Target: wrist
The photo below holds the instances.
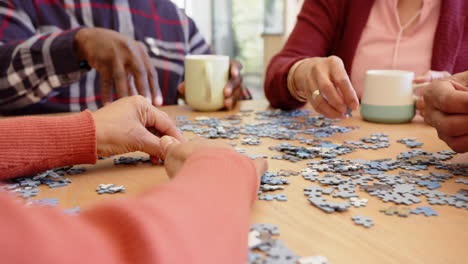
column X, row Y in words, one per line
column 81, row 37
column 295, row 81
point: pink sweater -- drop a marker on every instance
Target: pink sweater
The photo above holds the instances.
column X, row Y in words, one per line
column 326, row 28
column 201, row 216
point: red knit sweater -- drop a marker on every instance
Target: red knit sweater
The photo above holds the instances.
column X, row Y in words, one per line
column 327, row 27
column 201, row 216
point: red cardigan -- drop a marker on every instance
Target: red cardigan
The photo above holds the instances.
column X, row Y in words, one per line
column 201, row 216
column 334, row 27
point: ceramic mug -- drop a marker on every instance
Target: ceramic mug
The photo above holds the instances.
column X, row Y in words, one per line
column 388, row 96
column 205, row 79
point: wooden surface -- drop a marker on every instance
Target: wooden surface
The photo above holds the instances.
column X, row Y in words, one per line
column 304, row 228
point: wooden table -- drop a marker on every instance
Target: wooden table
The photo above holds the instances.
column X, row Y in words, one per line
column 304, row 228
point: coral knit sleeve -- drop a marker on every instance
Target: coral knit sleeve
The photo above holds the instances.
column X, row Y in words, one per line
column 312, row 36
column 201, row 216
column 29, row 145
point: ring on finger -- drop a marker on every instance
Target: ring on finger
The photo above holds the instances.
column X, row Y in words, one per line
column 315, row 94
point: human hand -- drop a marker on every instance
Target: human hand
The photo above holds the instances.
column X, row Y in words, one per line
column 424, row 80
column 120, row 61
column 431, row 76
column 232, row 90
column 326, row 85
column 447, row 110
column 175, row 154
column 125, row 126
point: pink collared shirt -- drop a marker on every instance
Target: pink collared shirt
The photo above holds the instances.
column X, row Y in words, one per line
column 384, row 45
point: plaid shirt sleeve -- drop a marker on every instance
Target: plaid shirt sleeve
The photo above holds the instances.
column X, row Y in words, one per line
column 32, row 65
column 197, row 43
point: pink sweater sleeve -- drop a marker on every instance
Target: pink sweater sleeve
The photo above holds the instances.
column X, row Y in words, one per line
column 313, row 36
column 202, row 216
column 29, row 145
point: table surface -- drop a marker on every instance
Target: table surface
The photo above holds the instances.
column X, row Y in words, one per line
column 304, row 228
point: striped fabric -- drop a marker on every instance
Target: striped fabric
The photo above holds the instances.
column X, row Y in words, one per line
column 39, row 71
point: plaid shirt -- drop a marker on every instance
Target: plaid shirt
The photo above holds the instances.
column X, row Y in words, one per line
column 40, row 72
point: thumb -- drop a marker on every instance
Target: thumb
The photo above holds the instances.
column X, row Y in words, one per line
column 166, row 143
column 151, row 144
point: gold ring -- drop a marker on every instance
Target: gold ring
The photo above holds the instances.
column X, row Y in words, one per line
column 315, row 94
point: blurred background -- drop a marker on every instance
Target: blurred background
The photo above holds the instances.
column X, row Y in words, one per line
column 250, row 31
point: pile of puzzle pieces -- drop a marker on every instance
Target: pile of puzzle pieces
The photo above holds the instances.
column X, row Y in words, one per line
column 265, row 249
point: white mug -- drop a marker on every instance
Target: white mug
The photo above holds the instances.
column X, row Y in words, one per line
column 388, row 96
column 205, row 79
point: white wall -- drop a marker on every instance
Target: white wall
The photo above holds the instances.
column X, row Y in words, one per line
column 200, row 11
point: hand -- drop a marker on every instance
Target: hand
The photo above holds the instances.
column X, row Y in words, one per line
column 124, row 126
column 120, row 61
column 234, row 87
column 328, row 76
column 232, row 90
column 175, row 153
column 431, row 76
column 447, row 110
column 427, row 78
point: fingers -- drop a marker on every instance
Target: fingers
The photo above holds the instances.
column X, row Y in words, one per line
column 329, row 93
column 230, row 102
column 420, row 105
column 233, row 88
column 431, row 76
column 105, row 82
column 448, row 125
column 458, row 144
column 181, row 88
column 120, row 78
column 341, row 81
column 321, row 105
column 166, row 143
column 141, row 80
column 155, row 89
column 443, row 96
column 162, row 123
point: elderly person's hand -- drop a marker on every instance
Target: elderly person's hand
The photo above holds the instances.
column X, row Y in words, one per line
column 233, row 89
column 132, row 124
column 122, row 63
column 175, row 153
column 447, row 110
column 324, row 83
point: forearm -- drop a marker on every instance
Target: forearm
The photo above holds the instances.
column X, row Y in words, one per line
column 33, row 67
column 312, row 37
column 200, row 217
column 34, row 144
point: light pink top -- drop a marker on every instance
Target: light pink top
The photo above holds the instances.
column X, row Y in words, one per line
column 383, row 44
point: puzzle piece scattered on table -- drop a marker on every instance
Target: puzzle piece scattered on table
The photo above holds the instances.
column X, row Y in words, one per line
column 358, row 202
column 131, row 160
column 109, row 188
column 265, row 249
column 313, row 260
column 410, row 142
column 363, row 220
column 462, row 180
column 43, row 202
column 400, row 211
column 270, row 197
column 426, row 210
column 429, row 184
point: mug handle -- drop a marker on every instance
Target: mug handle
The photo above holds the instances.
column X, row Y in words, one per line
column 208, row 75
column 417, row 86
